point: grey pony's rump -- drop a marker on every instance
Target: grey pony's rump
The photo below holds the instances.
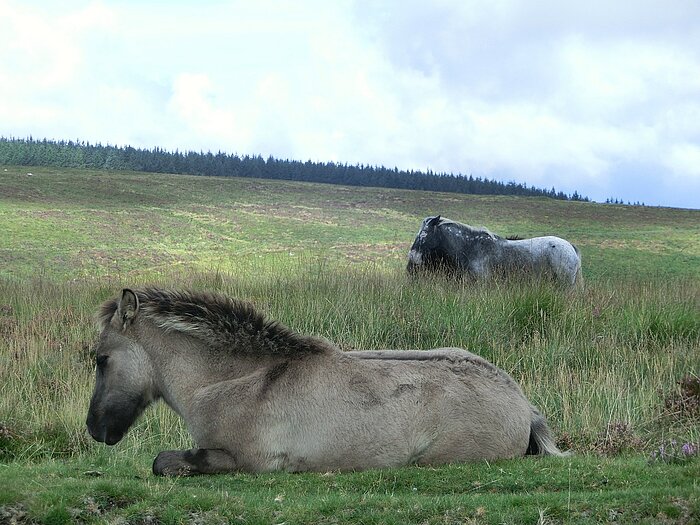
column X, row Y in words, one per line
column 541, row 440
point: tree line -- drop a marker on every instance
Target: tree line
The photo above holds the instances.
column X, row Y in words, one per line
column 79, row 154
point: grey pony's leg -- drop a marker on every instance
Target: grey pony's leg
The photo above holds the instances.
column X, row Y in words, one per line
column 194, row 461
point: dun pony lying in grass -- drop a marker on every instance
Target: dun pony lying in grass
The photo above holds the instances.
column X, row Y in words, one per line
column 258, row 397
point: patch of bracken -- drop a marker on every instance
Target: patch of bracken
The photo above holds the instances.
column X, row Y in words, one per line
column 8, row 440
column 683, row 403
column 14, row 514
column 565, row 441
column 617, row 437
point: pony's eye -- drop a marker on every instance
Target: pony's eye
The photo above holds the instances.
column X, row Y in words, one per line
column 102, row 360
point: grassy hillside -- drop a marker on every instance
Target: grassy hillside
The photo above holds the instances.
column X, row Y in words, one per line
column 614, row 366
column 70, row 224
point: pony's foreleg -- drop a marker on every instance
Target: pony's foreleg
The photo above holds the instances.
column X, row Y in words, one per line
column 193, row 461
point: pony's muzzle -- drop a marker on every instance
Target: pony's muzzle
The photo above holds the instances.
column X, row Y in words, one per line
column 99, row 432
column 96, row 434
column 415, row 260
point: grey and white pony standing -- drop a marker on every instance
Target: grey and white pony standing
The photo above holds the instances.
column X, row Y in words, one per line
column 258, row 397
column 444, row 244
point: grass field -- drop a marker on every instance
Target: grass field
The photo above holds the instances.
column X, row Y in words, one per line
column 72, row 224
column 614, row 366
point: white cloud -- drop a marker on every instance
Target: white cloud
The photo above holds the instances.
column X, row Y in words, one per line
column 684, row 160
column 608, row 80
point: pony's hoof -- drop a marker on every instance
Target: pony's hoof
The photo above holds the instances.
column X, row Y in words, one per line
column 169, row 463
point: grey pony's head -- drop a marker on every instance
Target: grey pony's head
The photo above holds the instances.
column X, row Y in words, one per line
column 123, row 374
column 428, row 251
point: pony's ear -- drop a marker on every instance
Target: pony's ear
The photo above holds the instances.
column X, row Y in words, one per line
column 128, row 307
column 434, row 221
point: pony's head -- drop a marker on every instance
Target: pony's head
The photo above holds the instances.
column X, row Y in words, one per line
column 123, row 373
column 428, row 251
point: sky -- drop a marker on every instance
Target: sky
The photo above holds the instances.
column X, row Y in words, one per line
column 598, row 97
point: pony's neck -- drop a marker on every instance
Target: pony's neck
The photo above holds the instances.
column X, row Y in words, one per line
column 184, row 364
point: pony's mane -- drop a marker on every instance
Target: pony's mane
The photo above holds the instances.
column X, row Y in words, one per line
column 219, row 321
column 474, row 230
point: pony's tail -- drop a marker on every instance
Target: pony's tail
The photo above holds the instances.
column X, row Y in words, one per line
column 578, row 278
column 541, row 439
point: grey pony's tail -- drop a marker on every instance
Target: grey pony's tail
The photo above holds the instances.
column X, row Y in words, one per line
column 541, row 439
column 578, row 280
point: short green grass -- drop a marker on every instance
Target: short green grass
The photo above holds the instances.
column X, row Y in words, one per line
column 112, row 488
column 601, row 362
